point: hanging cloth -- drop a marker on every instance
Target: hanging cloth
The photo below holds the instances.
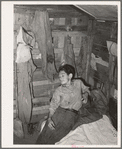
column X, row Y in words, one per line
column 25, row 69
column 68, row 56
column 82, row 58
column 41, row 29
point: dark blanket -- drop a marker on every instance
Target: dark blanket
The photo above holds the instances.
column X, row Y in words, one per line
column 93, row 110
column 64, row 121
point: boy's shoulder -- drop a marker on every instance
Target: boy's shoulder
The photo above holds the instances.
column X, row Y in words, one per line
column 58, row 89
column 77, row 82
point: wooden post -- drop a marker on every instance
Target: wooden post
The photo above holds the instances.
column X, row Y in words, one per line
column 90, row 32
column 113, row 36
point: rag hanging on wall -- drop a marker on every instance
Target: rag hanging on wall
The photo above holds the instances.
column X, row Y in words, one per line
column 42, row 31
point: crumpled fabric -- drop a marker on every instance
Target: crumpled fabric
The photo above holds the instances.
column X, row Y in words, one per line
column 68, row 56
column 41, row 28
column 93, row 110
column 23, row 53
column 100, row 132
column 23, row 50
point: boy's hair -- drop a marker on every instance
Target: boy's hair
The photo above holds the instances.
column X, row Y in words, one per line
column 68, row 69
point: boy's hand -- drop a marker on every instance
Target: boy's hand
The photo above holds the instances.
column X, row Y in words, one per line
column 51, row 124
column 85, row 97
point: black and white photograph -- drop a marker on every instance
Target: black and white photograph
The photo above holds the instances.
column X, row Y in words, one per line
column 61, row 74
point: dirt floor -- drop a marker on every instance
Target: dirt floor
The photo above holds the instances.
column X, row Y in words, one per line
column 31, row 131
column 28, row 139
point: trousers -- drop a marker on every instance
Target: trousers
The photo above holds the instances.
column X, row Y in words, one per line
column 64, row 121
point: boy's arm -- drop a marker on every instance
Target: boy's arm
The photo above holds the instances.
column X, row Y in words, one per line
column 54, row 104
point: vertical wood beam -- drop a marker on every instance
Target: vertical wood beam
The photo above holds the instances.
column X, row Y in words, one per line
column 113, row 34
column 113, row 37
column 90, row 33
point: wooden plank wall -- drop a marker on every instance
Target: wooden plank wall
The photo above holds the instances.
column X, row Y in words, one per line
column 62, row 24
column 74, row 26
column 100, row 77
column 58, row 43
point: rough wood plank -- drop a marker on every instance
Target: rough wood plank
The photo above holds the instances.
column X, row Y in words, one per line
column 104, row 26
column 40, row 108
column 38, row 75
column 60, row 50
column 45, row 90
column 79, row 28
column 35, row 51
column 41, row 99
column 36, row 100
column 46, row 82
column 83, row 21
column 70, row 33
column 74, row 21
column 56, row 21
column 81, row 59
column 91, row 31
column 38, row 63
column 22, row 19
column 68, row 21
column 64, row 14
column 60, row 41
column 113, row 35
column 50, row 8
column 77, row 42
column 72, row 27
column 62, row 21
column 38, row 90
column 36, row 110
column 55, row 41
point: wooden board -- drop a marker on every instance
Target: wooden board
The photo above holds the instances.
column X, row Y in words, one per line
column 37, row 110
column 38, row 75
column 44, row 90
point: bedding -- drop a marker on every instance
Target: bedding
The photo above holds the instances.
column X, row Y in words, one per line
column 100, row 132
column 93, row 126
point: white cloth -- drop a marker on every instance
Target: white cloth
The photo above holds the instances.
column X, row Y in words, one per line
column 20, row 36
column 112, row 47
column 95, row 60
column 23, row 53
column 100, row 132
column 23, row 50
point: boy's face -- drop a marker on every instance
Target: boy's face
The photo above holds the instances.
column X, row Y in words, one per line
column 63, row 77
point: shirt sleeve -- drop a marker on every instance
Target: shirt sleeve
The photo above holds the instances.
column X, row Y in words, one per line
column 55, row 102
column 84, row 88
